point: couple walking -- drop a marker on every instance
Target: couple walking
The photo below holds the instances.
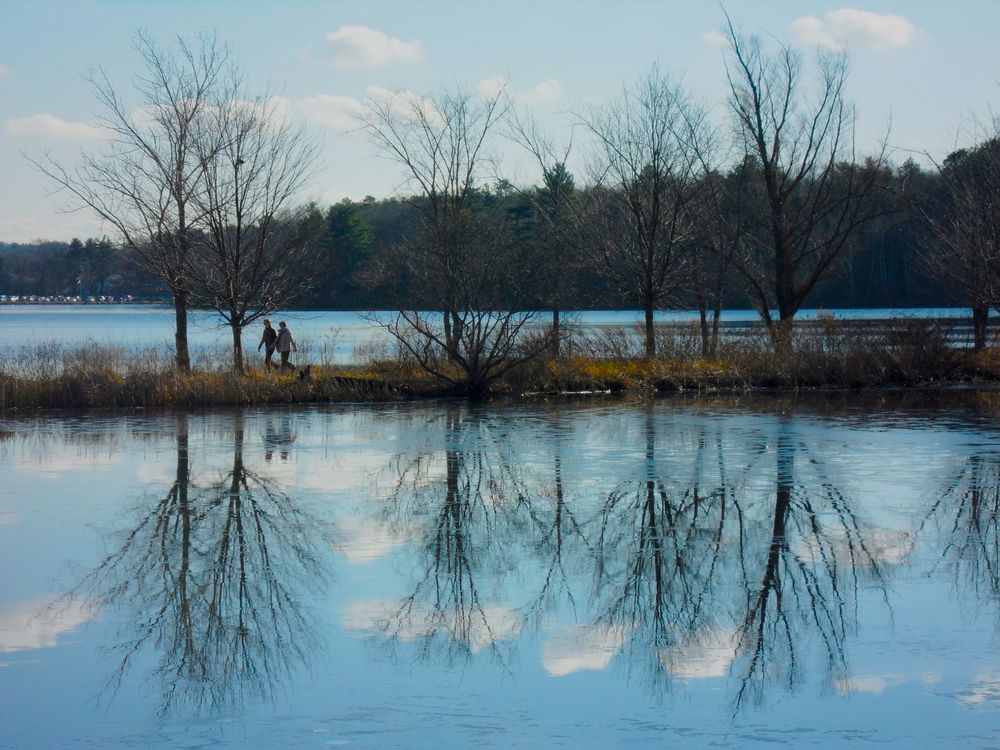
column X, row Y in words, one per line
column 280, row 340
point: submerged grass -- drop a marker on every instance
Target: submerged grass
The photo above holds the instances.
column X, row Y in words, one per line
column 905, row 353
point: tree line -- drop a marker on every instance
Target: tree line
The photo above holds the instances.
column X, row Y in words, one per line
column 772, row 209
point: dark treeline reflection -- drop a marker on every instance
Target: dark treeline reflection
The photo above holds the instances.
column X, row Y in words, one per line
column 688, row 549
column 209, row 579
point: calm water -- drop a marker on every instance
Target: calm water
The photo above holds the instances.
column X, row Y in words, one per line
column 325, row 336
column 810, row 572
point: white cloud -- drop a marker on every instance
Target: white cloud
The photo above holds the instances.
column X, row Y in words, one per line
column 38, row 624
column 542, row 92
column 848, row 27
column 716, row 39
column 547, row 90
column 49, row 126
column 581, row 647
column 342, row 113
column 5, row 71
column 362, row 47
column 490, row 87
column 405, row 104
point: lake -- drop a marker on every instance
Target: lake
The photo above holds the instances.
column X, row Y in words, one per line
column 338, row 337
column 818, row 570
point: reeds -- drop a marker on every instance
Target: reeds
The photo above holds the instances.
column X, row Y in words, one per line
column 829, row 354
column 111, row 377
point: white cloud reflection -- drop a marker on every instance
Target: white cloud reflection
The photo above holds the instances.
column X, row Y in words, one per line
column 68, row 458
column 861, row 684
column 39, row 624
column 363, row 540
column 577, row 648
column 874, row 546
column 707, row 654
column 984, row 690
column 384, row 617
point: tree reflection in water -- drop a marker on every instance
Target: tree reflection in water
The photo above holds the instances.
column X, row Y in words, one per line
column 463, row 531
column 698, row 567
column 662, row 539
column 212, row 577
column 815, row 558
column 966, row 514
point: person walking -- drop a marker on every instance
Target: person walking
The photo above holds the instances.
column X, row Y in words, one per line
column 286, row 345
column 268, row 340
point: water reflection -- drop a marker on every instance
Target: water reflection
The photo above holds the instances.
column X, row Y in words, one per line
column 211, row 577
column 462, row 527
column 278, row 438
column 690, row 565
column 615, row 554
column 816, row 554
column 966, row 517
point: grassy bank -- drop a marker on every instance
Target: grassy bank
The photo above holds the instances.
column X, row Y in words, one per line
column 907, row 354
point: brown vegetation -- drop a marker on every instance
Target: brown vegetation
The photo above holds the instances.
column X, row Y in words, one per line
column 829, row 354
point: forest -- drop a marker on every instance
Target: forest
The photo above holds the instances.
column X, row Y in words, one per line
column 886, row 265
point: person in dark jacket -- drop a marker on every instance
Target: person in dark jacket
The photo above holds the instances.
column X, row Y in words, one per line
column 286, row 345
column 268, row 340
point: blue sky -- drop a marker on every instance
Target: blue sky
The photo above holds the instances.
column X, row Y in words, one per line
column 926, row 66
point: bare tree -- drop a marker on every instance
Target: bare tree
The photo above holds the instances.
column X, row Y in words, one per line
column 719, row 238
column 556, row 207
column 964, row 221
column 724, row 205
column 817, row 193
column 144, row 181
column 256, row 248
column 647, row 168
column 462, row 256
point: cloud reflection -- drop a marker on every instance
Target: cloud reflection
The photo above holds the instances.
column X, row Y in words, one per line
column 363, row 540
column 985, row 690
column 708, row 653
column 25, row 626
column 578, row 648
column 382, row 616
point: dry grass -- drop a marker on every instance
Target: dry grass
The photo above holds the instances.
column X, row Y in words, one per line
column 831, row 355
column 101, row 376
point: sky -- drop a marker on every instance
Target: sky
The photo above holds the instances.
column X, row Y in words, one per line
column 925, row 71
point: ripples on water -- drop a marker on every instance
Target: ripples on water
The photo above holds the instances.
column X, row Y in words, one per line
column 814, row 570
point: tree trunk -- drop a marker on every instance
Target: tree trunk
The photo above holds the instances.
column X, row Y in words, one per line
column 703, row 325
column 449, row 341
column 456, row 332
column 237, row 347
column 716, row 315
column 650, row 334
column 781, row 334
column 980, row 316
column 181, row 356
